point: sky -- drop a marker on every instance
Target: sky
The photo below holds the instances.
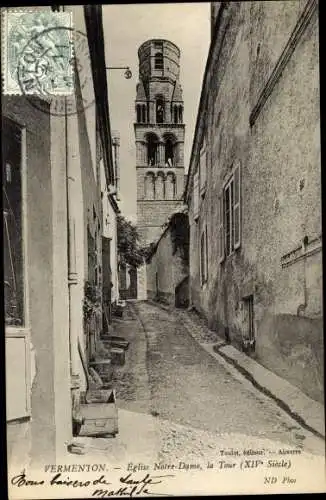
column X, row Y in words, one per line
column 126, row 27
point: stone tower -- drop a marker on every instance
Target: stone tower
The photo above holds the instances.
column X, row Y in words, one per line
column 159, row 134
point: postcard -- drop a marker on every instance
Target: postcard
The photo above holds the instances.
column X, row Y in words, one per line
column 162, row 249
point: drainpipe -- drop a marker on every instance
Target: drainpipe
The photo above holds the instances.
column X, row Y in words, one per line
column 72, row 162
column 116, row 145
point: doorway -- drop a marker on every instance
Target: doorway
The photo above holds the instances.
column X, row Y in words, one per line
column 249, row 322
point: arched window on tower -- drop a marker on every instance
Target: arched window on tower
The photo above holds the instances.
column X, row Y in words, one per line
column 158, row 61
column 149, row 187
column 138, row 111
column 143, row 113
column 170, row 149
column 175, row 114
column 170, row 187
column 159, row 186
column 180, row 114
column 169, row 153
column 152, row 150
column 160, row 110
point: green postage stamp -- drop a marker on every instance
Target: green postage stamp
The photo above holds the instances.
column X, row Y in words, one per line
column 37, row 52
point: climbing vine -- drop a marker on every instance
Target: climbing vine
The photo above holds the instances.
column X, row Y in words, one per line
column 92, row 300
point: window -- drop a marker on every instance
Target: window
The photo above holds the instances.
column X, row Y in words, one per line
column 203, row 257
column 149, row 186
column 196, row 196
column 249, row 324
column 138, row 108
column 170, row 186
column 13, row 224
column 175, row 114
column 202, row 169
column 158, row 64
column 169, row 153
column 160, row 110
column 229, row 215
column 141, row 113
column 152, row 150
column 17, row 332
column 160, row 186
column 180, row 114
column 91, row 254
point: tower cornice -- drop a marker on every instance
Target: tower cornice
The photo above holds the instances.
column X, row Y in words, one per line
column 153, row 40
column 159, row 125
column 156, row 78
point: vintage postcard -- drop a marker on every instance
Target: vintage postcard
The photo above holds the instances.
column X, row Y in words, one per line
column 162, row 249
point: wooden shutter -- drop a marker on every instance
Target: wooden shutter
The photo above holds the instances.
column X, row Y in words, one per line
column 206, row 254
column 202, row 259
column 196, row 196
column 221, row 228
column 236, row 206
column 203, row 168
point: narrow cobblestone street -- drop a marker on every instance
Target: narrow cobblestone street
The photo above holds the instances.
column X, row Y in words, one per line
column 195, row 420
column 168, row 375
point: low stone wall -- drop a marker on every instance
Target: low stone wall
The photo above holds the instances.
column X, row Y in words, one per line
column 165, row 297
column 292, row 347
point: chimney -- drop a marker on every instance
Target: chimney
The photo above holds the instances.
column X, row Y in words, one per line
column 116, row 146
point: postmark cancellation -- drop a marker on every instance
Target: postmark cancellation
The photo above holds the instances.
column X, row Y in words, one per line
column 37, row 52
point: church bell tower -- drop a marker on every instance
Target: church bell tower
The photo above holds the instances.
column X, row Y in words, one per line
column 159, row 135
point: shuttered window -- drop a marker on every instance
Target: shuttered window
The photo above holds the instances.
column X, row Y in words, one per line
column 228, row 199
column 13, row 225
column 196, row 196
column 203, row 257
column 236, row 207
column 230, row 215
column 17, row 333
column 221, row 229
column 203, row 170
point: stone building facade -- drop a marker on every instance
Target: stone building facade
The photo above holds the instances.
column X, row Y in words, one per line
column 159, row 135
column 254, row 187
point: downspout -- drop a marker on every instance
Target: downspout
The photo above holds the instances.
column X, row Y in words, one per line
column 72, row 273
column 116, row 145
column 70, row 127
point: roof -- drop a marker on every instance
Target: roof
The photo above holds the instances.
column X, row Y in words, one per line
column 95, row 37
column 203, row 97
column 141, row 95
column 177, row 94
column 157, row 40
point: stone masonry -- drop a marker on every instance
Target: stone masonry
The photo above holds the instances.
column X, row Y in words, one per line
column 159, row 136
column 257, row 150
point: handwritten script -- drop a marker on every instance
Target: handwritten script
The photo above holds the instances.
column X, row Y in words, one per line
column 128, row 485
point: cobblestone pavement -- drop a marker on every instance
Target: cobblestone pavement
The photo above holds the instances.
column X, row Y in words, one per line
column 131, row 381
column 168, row 375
